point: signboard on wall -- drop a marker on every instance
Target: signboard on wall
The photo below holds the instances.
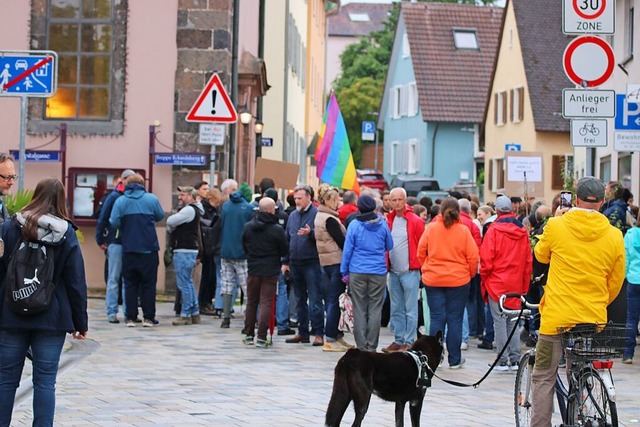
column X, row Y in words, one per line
column 524, row 174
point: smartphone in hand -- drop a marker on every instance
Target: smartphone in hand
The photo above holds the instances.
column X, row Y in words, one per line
column 565, row 199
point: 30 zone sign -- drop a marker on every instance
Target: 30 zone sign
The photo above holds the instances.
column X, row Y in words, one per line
column 588, row 16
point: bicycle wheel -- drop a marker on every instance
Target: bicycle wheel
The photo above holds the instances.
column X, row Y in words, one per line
column 522, row 393
column 592, row 407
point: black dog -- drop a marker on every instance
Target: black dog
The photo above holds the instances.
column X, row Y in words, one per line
column 391, row 377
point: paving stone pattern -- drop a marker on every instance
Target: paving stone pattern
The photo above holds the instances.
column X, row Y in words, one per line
column 203, row 375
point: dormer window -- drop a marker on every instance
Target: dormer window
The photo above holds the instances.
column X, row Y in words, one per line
column 465, row 39
column 359, row 17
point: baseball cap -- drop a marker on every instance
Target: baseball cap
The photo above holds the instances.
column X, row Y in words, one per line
column 189, row 190
column 127, row 173
column 590, row 189
column 503, row 204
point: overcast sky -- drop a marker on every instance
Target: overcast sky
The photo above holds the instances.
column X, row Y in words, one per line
column 498, row 2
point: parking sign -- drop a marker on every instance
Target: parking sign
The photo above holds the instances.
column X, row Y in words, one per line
column 368, row 131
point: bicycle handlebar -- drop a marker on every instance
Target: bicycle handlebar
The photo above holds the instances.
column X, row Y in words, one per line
column 527, row 311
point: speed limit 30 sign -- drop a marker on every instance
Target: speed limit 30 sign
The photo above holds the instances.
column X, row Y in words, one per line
column 588, row 16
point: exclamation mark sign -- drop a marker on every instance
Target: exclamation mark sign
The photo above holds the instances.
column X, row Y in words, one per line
column 213, row 97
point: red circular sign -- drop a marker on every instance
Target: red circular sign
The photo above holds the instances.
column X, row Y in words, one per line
column 597, row 12
column 591, row 48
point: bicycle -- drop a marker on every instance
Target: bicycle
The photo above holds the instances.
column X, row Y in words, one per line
column 590, row 397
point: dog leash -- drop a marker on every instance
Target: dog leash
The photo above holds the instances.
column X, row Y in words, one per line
column 495, row 362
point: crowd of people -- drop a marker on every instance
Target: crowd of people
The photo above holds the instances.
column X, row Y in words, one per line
column 420, row 265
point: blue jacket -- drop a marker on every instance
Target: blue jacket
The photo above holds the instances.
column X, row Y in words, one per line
column 302, row 249
column 104, row 232
column 135, row 216
column 632, row 252
column 235, row 214
column 68, row 311
column 366, row 245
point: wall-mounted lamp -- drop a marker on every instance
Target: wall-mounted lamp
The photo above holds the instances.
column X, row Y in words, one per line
column 258, row 127
column 245, row 116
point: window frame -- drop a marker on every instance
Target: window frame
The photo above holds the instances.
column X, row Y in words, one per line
column 457, row 42
column 517, row 104
column 39, row 124
column 412, row 99
column 406, row 47
column 497, row 174
column 500, row 108
column 413, row 156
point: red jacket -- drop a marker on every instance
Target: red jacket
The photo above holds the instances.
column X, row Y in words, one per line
column 505, row 259
column 475, row 231
column 346, row 210
column 415, row 228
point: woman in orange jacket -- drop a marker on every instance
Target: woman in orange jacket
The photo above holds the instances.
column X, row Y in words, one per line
column 448, row 257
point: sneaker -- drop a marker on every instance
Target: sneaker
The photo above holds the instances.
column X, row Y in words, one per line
column 206, row 311
column 130, row 324
column 248, row 340
column 459, row 365
column 113, row 319
column 226, row 322
column 485, row 346
column 334, row 346
column 150, row 323
column 287, row 331
column 344, row 343
column 182, row 321
column 502, row 366
column 196, row 319
column 262, row 343
column 514, row 366
column 627, row 360
column 464, row 346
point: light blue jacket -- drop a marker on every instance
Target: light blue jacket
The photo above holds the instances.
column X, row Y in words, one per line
column 632, row 252
column 365, row 247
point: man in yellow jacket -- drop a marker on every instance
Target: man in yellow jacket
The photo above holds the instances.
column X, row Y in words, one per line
column 587, row 268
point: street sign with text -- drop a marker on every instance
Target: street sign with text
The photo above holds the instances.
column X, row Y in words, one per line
column 368, row 131
column 626, row 141
column 588, row 16
column 183, row 159
column 38, row 156
column 581, row 103
column 589, row 133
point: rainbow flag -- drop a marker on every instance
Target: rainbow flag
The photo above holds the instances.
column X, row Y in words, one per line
column 333, row 153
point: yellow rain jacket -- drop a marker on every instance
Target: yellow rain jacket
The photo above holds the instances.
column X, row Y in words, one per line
column 587, row 267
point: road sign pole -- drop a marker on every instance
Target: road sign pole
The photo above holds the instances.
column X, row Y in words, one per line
column 212, row 166
column 375, row 157
column 23, row 148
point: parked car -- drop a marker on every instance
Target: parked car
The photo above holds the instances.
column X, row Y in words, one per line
column 372, row 178
column 419, row 186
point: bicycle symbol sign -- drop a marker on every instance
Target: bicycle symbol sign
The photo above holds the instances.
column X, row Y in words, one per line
column 589, row 133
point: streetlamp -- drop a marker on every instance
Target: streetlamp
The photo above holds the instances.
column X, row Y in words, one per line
column 259, row 126
column 245, row 116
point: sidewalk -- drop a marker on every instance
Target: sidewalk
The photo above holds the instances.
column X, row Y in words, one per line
column 203, row 375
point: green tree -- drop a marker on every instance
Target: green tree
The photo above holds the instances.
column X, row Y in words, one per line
column 364, row 69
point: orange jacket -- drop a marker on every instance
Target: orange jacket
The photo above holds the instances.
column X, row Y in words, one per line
column 449, row 256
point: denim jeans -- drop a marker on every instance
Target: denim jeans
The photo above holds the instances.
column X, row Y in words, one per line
column 475, row 308
column 332, row 287
column 282, row 304
column 306, row 285
column 633, row 316
column 114, row 261
column 184, row 262
column 447, row 309
column 403, row 292
column 489, row 332
column 46, row 348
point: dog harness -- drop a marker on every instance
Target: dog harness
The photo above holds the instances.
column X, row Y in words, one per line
column 423, row 381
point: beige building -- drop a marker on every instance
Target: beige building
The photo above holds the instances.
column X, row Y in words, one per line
column 525, row 101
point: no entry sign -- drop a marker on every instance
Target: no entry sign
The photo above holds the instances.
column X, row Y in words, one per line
column 588, row 61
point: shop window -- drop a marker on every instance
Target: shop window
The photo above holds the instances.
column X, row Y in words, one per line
column 86, row 188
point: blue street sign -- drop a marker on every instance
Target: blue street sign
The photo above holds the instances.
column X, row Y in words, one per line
column 512, row 147
column 368, row 131
column 26, row 74
column 267, row 142
column 627, row 114
column 38, row 156
column 186, row 159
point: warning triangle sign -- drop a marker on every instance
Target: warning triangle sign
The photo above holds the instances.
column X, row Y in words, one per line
column 213, row 104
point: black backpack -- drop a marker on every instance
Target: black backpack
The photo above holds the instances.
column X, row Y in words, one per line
column 208, row 234
column 29, row 279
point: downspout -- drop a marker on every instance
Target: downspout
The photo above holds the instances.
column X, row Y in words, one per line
column 433, row 150
column 286, row 83
column 234, row 86
column 261, row 56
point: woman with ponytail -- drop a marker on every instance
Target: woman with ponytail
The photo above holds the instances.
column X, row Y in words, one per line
column 449, row 259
